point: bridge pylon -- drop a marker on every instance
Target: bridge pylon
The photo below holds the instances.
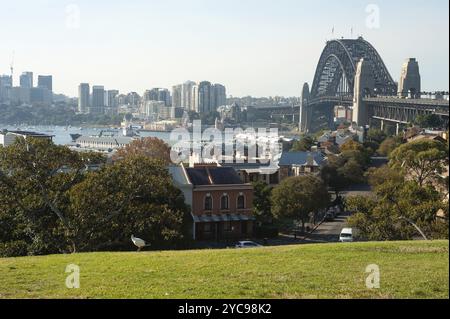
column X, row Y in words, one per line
column 305, row 112
column 364, row 86
column 410, row 80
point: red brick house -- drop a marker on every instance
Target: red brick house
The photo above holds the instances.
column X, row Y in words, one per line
column 221, row 205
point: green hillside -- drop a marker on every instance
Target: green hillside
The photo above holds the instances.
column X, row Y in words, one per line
column 408, row 270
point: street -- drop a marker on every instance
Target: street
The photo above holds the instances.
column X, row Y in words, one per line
column 329, row 231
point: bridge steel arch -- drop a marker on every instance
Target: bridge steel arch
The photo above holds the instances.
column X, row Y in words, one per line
column 338, row 62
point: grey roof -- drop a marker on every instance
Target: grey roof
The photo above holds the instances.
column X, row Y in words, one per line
column 208, row 175
column 28, row 133
column 300, row 158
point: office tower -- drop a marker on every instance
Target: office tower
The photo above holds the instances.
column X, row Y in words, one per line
column 112, row 98
column 186, row 95
column 164, row 96
column 83, row 97
column 176, row 95
column 194, row 98
column 46, row 81
column 5, row 87
column 26, row 80
column 219, row 96
column 157, row 94
column 98, row 100
column 133, row 99
column 203, row 97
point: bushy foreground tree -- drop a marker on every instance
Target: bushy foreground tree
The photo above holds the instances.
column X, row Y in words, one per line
column 297, row 197
column 50, row 201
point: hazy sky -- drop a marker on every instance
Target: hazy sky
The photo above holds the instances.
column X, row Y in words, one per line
column 254, row 47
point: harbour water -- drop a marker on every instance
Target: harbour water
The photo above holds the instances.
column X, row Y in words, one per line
column 61, row 134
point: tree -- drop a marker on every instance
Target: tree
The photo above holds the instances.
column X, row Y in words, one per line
column 150, row 147
column 261, row 202
column 304, row 145
column 429, row 121
column 334, row 179
column 134, row 196
column 35, row 176
column 384, row 217
column 297, row 197
column 376, row 135
column 389, row 145
column 423, row 160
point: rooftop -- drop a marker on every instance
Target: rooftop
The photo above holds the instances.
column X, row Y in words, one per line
column 210, row 175
column 300, row 158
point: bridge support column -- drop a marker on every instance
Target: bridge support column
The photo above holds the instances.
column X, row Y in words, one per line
column 382, row 125
column 397, row 129
column 364, row 85
column 305, row 119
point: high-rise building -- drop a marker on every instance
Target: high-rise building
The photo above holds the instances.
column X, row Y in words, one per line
column 98, row 99
column 219, row 94
column 83, row 97
column 26, row 80
column 5, row 87
column 158, row 94
column 204, row 97
column 176, row 95
column 186, row 95
column 46, row 81
column 194, row 98
column 112, row 98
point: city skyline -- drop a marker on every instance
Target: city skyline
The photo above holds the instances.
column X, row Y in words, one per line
column 165, row 43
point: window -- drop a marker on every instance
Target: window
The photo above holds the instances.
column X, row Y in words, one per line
column 208, row 202
column 241, row 202
column 224, row 202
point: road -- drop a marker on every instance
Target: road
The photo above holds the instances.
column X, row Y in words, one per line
column 328, row 232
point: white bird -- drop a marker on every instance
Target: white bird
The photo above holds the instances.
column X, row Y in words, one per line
column 139, row 243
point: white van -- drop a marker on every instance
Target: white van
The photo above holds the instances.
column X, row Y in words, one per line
column 346, row 235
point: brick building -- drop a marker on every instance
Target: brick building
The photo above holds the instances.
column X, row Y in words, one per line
column 221, row 205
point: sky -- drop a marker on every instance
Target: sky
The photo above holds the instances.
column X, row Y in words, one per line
column 253, row 47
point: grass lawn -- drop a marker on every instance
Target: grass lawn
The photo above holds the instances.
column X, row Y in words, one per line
column 408, row 270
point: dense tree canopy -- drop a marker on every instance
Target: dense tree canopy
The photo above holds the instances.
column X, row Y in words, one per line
column 297, row 197
column 150, row 147
column 53, row 200
column 304, row 144
column 132, row 197
column 423, row 160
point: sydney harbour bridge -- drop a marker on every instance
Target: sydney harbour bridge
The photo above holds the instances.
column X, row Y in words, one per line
column 352, row 74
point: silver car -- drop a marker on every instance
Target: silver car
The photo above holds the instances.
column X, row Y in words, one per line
column 247, row 244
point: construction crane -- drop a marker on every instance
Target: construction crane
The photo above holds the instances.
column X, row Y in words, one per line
column 11, row 67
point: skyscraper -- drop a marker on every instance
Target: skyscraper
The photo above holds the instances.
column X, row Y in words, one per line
column 46, row 81
column 98, row 99
column 83, row 98
column 186, row 95
column 204, row 97
column 158, row 94
column 26, row 80
column 5, row 87
column 176, row 95
column 219, row 96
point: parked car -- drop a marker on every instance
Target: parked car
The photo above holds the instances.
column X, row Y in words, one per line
column 247, row 244
column 346, row 235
